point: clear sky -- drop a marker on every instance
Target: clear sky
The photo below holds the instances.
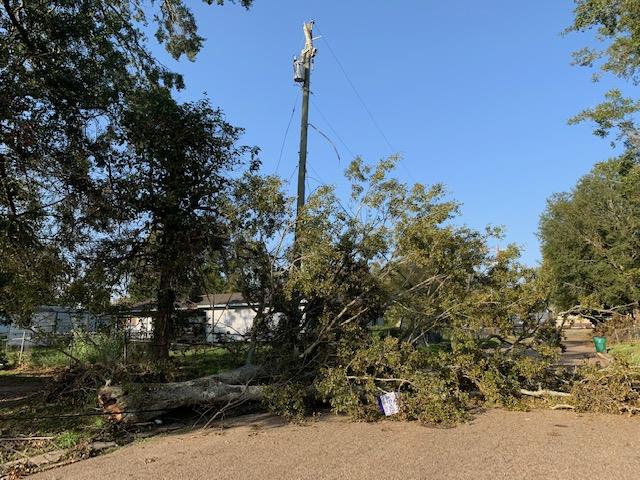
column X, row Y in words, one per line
column 472, row 94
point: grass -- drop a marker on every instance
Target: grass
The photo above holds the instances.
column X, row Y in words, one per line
column 196, row 363
column 626, row 352
column 68, row 439
column 37, row 358
column 191, row 363
column 37, row 416
column 47, row 358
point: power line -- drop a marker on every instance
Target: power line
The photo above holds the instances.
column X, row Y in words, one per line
column 76, row 415
column 364, row 104
column 355, row 90
column 292, row 173
column 286, row 132
column 317, row 177
column 333, row 130
column 335, row 149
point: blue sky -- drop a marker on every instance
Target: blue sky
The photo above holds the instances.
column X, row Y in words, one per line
column 475, row 95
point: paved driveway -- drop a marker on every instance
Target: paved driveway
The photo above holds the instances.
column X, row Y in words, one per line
column 496, row 445
column 579, row 347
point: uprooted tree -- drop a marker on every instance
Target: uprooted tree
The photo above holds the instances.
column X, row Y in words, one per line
column 392, row 253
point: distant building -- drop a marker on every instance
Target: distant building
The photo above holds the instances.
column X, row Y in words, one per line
column 52, row 319
column 214, row 317
column 573, row 321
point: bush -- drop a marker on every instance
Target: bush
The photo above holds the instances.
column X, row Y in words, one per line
column 97, row 348
column 433, row 386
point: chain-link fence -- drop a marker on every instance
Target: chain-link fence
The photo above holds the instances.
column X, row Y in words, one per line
column 626, row 334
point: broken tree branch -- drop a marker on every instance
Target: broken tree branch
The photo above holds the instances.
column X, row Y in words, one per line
column 543, row 393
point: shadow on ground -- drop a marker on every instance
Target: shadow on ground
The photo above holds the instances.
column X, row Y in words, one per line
column 14, row 388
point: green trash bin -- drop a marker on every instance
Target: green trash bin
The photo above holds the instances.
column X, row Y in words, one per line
column 600, row 344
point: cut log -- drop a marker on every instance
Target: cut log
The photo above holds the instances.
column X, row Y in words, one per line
column 544, row 393
column 141, row 402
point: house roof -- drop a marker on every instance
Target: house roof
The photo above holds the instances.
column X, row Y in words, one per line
column 208, row 300
column 221, row 299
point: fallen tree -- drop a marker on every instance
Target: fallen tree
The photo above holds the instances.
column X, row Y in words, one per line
column 140, row 402
column 319, row 296
column 427, row 392
column 433, row 388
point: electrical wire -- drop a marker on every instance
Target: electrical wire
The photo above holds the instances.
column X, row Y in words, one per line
column 375, row 123
column 335, row 149
column 292, row 173
column 75, row 415
column 317, row 177
column 286, row 132
column 333, row 130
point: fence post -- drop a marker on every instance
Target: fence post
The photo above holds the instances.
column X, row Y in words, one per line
column 126, row 343
column 24, row 333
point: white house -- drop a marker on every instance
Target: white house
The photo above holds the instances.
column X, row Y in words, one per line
column 52, row 319
column 219, row 315
column 226, row 314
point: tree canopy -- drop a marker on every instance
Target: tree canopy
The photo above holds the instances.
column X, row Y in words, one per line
column 392, row 253
column 618, row 29
column 164, row 198
column 590, row 235
column 591, row 238
column 70, row 72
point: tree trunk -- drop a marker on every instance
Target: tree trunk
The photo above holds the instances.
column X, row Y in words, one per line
column 162, row 324
column 139, row 403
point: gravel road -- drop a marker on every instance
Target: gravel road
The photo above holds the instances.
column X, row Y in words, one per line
column 498, row 444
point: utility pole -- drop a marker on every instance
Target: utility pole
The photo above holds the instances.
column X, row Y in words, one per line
column 302, row 74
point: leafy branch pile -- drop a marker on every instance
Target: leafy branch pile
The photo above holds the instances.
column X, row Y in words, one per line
column 615, row 389
column 393, row 255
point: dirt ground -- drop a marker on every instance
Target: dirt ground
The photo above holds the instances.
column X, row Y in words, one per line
column 14, row 388
column 498, row 444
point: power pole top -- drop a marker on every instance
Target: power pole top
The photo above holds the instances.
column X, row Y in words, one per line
column 302, row 74
column 302, row 63
column 308, row 52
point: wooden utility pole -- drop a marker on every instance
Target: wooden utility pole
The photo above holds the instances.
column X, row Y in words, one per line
column 302, row 74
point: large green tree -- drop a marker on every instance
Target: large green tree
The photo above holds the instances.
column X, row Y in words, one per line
column 68, row 71
column 165, row 199
column 591, row 239
column 617, row 28
column 590, row 235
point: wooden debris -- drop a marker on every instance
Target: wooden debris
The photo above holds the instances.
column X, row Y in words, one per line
column 544, row 393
